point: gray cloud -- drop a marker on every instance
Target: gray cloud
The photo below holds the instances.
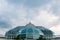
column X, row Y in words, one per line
column 20, row 12
column 28, row 9
column 56, row 9
column 35, row 3
column 4, row 23
column 17, row 2
column 29, row 3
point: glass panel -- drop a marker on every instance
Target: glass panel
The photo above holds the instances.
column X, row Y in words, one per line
column 36, row 31
column 23, row 31
column 36, row 36
column 29, row 36
column 30, row 30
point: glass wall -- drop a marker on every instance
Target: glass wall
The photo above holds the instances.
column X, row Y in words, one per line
column 31, row 33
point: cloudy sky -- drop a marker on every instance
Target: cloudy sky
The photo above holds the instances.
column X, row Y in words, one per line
column 20, row 12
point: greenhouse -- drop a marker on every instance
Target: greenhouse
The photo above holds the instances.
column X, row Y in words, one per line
column 29, row 31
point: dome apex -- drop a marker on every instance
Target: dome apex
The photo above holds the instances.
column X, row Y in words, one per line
column 30, row 24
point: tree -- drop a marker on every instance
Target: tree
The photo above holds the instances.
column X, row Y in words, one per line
column 41, row 38
column 21, row 36
column 18, row 37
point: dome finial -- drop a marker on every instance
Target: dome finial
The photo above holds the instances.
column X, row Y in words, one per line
column 30, row 24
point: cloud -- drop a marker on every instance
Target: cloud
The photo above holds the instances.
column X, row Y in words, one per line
column 15, row 1
column 4, row 24
column 56, row 11
column 29, row 3
column 45, row 18
column 20, row 12
column 36, row 3
column 56, row 7
column 56, row 29
column 3, row 31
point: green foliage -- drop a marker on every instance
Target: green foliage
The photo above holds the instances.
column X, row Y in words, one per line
column 18, row 37
column 41, row 38
column 21, row 36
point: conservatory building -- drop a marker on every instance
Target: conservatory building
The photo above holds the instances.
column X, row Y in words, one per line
column 29, row 31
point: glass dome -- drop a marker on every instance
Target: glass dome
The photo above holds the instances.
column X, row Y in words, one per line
column 31, row 32
column 28, row 31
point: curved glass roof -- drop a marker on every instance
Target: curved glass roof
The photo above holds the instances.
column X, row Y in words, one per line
column 30, row 31
column 30, row 28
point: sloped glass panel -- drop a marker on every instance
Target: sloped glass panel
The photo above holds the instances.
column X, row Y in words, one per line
column 30, row 30
column 23, row 31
